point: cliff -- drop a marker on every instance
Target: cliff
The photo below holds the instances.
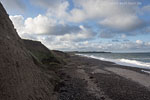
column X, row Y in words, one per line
column 21, row 77
column 41, row 52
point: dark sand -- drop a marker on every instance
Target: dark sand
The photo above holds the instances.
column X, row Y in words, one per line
column 90, row 79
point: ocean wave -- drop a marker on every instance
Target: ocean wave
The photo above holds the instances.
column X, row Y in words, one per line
column 91, row 56
column 126, row 62
column 140, row 58
column 136, row 63
column 146, row 71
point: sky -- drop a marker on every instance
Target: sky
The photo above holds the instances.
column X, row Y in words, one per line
column 83, row 25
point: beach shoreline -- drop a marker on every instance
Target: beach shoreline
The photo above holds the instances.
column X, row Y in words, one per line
column 85, row 78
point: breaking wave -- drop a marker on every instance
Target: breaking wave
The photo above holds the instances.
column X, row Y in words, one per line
column 126, row 62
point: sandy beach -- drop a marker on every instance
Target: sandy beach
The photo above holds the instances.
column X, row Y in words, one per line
column 90, row 79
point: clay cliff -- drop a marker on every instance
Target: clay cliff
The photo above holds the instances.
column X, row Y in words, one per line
column 41, row 52
column 21, row 77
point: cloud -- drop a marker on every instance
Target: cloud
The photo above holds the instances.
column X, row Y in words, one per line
column 115, row 40
column 139, row 42
column 15, row 4
column 60, row 12
column 39, row 25
column 123, row 23
column 107, row 34
column 46, row 3
column 18, row 21
column 83, row 25
column 108, row 13
column 97, row 46
column 78, row 38
column 83, row 34
column 43, row 25
column 55, row 42
column 146, row 8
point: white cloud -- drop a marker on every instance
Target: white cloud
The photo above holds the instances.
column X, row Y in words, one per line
column 123, row 23
column 39, row 25
column 55, row 8
column 46, row 3
column 146, row 8
column 43, row 25
column 123, row 36
column 77, row 15
column 108, row 12
column 97, row 46
column 18, row 21
column 60, row 27
column 15, row 4
column 55, row 42
column 148, row 43
column 83, row 34
column 140, row 42
column 107, row 34
column 59, row 12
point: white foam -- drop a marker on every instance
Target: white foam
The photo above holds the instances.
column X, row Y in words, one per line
column 135, row 62
column 126, row 62
column 91, row 56
column 142, row 58
column 146, row 71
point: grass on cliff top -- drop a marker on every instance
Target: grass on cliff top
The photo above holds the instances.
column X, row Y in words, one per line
column 49, row 59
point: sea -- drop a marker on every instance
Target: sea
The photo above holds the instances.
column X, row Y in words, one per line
column 140, row 60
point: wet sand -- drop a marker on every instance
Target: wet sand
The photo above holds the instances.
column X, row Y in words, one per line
column 90, row 79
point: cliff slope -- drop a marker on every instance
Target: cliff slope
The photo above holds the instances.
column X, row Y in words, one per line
column 20, row 77
column 41, row 52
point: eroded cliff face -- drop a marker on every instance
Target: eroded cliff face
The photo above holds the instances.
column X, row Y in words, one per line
column 41, row 52
column 20, row 77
